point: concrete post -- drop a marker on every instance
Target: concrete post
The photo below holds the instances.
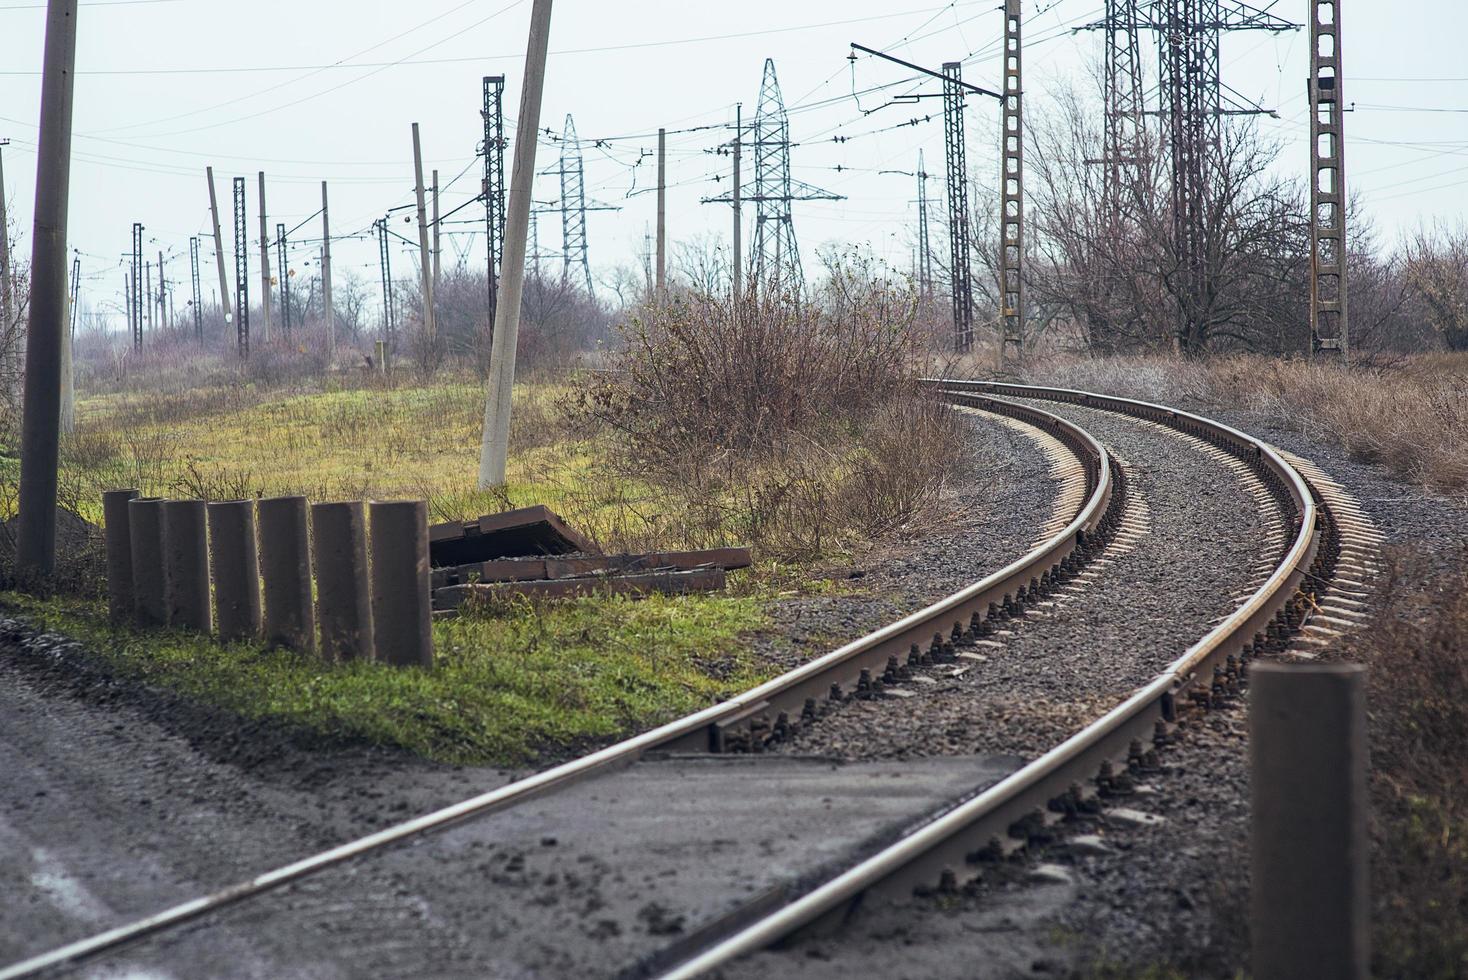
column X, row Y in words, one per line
column 494, row 448
column 328, row 311
column 401, row 611
column 236, row 567
column 343, row 602
column 145, row 531
column 264, row 266
column 662, row 266
column 425, row 259
column 1307, row 747
column 186, row 565
column 119, row 554
column 218, row 247
column 285, row 567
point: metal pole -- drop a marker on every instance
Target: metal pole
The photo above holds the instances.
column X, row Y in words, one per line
column 162, row 295
column 662, row 280
column 195, row 300
column 264, row 267
column 424, row 258
column 1011, row 198
column 1329, row 326
column 218, row 245
column 437, row 250
column 328, row 313
column 35, row 550
column 146, row 298
column 4, row 244
column 283, row 273
column 738, row 202
column 241, row 271
column 494, row 446
column 1307, row 747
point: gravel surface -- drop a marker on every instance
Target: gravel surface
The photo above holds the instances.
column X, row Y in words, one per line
column 986, row 523
column 1137, row 608
column 1123, row 899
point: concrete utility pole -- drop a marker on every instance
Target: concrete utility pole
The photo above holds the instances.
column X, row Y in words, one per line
column 1011, row 200
column 1329, row 327
column 437, row 250
column 146, row 299
column 162, row 295
column 218, row 246
column 195, row 298
column 4, row 244
column 494, row 448
column 738, row 202
column 35, row 545
column 264, row 267
column 662, row 211
column 423, row 257
column 328, row 313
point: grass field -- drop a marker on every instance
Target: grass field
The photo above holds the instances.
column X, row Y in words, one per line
column 511, row 683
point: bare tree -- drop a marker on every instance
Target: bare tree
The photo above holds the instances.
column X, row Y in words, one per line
column 1436, row 262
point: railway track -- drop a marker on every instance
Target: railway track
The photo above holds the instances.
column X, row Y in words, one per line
column 982, row 826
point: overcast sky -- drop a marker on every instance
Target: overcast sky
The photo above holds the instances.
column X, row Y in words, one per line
column 329, row 90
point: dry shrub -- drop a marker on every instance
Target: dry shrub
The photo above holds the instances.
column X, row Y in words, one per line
column 1417, row 652
column 795, row 424
column 1411, row 416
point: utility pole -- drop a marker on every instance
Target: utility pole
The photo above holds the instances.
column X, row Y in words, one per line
column 662, row 280
column 328, row 312
column 423, row 252
column 282, row 271
column 147, row 297
column 162, row 295
column 955, row 90
column 574, row 249
column 35, row 545
column 218, row 246
column 241, row 271
column 68, row 342
column 384, row 261
column 925, row 251
column 194, row 283
column 494, row 186
column 135, row 294
column 738, row 201
column 494, row 447
column 1012, row 199
column 264, row 266
column 4, row 244
column 437, row 249
column 1329, row 327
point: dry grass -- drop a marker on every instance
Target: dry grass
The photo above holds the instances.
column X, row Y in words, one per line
column 796, row 426
column 1417, row 652
column 1411, row 416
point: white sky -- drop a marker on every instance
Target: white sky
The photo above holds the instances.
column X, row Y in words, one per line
column 168, row 86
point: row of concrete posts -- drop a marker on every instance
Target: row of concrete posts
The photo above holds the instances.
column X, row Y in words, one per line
column 371, row 596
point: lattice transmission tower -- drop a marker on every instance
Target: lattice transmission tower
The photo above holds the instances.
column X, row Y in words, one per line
column 241, row 271
column 573, row 207
column 494, row 183
column 776, row 253
column 1329, row 326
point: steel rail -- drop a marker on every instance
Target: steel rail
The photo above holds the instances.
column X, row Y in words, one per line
column 704, row 730
column 953, row 838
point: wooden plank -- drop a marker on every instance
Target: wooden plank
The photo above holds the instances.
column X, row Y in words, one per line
column 524, row 532
column 532, row 569
column 693, row 580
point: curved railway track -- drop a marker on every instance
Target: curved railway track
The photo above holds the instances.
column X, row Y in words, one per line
column 1065, row 780
column 984, row 825
column 746, row 723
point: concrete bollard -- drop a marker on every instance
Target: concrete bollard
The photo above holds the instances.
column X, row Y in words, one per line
column 285, row 567
column 402, row 618
column 343, row 603
column 186, row 565
column 1307, row 748
column 119, row 554
column 236, row 566
column 145, row 532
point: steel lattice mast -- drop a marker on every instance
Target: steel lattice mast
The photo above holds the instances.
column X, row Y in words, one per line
column 241, row 271
column 1329, row 326
column 776, row 253
column 494, row 183
column 960, row 247
column 573, row 207
column 1012, row 197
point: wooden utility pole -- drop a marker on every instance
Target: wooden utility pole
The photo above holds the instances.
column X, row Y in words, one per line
column 35, row 544
column 494, row 447
column 437, row 250
column 264, row 266
column 662, row 279
column 328, row 314
column 425, row 261
column 738, row 203
column 218, row 246
column 4, row 244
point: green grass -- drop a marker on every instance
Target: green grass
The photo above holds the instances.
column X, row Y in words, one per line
column 510, row 686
